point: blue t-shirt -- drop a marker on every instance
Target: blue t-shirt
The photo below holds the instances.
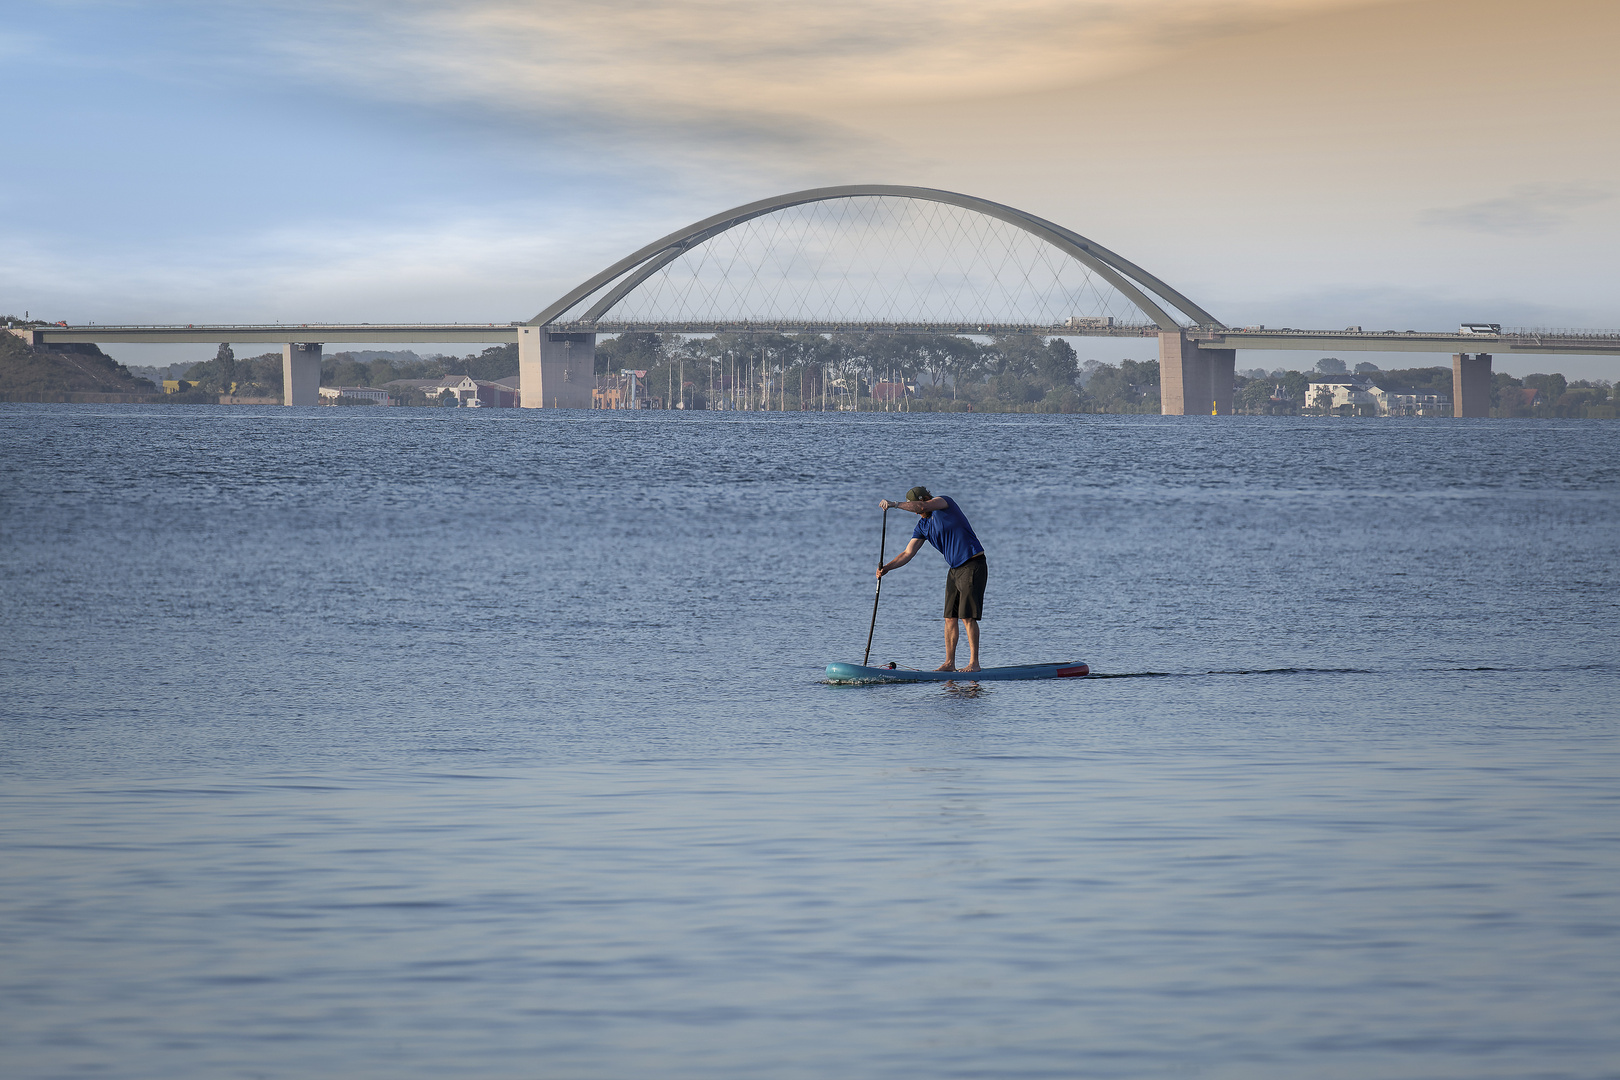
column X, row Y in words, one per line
column 949, row 531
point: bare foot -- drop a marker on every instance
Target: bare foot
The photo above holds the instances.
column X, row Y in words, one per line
column 946, row 666
column 971, row 667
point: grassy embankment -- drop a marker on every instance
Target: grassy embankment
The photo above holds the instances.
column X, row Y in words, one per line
column 72, row 373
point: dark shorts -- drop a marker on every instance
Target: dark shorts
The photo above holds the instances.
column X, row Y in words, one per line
column 964, row 589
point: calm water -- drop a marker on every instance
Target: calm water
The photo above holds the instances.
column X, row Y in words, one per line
column 422, row 743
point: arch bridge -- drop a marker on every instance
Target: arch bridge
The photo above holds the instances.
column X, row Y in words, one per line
column 556, row 347
column 1197, row 352
column 876, row 258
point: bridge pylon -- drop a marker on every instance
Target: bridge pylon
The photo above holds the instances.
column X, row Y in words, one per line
column 301, row 373
column 556, row 370
column 1194, row 381
column 1471, row 384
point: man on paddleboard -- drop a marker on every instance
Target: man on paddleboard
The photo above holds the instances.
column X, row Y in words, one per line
column 945, row 526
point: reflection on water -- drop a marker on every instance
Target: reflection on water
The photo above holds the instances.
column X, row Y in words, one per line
column 414, row 744
column 963, row 689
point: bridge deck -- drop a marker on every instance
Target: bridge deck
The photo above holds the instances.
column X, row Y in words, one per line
column 280, row 333
column 1422, row 341
column 1598, row 343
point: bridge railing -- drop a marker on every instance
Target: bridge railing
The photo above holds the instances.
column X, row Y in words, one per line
column 784, row 326
column 1563, row 333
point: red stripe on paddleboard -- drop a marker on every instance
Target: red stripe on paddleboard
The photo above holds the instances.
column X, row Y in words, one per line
column 1073, row 672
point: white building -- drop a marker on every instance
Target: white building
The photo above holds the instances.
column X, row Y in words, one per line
column 1360, row 391
column 1408, row 402
column 330, row 394
column 1343, row 390
column 464, row 387
column 502, row 393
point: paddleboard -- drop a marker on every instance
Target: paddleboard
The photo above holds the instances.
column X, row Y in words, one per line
column 855, row 673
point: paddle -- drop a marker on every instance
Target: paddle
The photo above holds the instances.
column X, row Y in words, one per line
column 882, row 540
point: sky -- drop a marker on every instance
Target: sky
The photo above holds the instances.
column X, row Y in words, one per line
column 1313, row 163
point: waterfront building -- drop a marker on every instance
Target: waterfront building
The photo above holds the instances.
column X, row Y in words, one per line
column 1409, row 402
column 373, row 394
column 1352, row 394
column 1365, row 395
column 469, row 392
column 504, row 393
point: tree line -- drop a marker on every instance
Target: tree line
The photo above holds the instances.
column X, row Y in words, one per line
column 1257, row 392
column 940, row 372
column 260, row 376
column 1014, row 372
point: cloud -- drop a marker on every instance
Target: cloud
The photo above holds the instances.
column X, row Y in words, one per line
column 1529, row 210
column 764, row 67
column 505, row 264
column 474, row 159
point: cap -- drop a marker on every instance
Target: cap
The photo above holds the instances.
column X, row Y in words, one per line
column 918, row 494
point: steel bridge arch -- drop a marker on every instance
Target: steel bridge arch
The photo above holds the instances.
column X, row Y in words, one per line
column 1119, row 272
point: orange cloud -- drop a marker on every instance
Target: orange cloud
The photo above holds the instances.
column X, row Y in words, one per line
column 1461, row 146
column 691, row 58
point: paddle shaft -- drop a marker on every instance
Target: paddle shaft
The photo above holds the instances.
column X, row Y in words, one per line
column 883, row 537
